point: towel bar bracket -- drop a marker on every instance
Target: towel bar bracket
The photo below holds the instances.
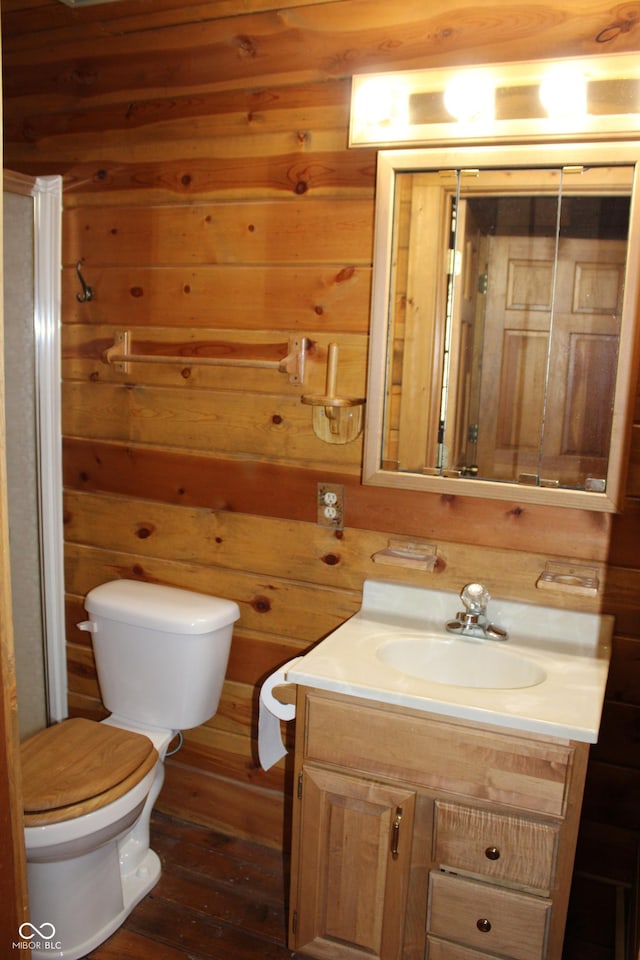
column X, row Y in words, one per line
column 120, row 357
column 115, row 355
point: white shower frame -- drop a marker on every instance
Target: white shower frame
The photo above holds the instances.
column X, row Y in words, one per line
column 47, row 196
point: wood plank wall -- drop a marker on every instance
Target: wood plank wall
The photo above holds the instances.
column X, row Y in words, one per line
column 214, row 207
column 13, row 877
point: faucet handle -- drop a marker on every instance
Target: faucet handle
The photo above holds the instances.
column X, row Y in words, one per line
column 472, row 621
column 475, row 597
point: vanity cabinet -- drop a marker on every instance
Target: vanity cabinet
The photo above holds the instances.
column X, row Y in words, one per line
column 355, row 877
column 418, row 835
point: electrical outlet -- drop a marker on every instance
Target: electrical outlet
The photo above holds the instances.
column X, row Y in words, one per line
column 331, row 505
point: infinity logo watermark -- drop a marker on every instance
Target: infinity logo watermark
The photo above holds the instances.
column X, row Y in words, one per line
column 22, row 930
column 37, row 938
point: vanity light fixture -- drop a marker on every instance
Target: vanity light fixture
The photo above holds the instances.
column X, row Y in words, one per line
column 597, row 98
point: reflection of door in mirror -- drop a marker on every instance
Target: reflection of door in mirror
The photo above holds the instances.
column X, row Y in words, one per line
column 557, row 408
column 535, row 332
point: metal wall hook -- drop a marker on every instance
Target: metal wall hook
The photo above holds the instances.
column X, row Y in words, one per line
column 87, row 291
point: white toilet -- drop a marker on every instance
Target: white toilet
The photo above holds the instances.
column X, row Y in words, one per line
column 89, row 788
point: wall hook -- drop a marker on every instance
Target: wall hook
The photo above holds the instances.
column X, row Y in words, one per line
column 87, row 291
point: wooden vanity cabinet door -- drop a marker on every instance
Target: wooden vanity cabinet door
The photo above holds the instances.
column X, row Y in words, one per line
column 354, row 859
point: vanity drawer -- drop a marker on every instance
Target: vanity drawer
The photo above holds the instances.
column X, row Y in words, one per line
column 523, row 771
column 443, row 950
column 506, row 849
column 489, row 919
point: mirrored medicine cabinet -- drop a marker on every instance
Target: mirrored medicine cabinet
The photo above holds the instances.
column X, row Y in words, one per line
column 504, row 303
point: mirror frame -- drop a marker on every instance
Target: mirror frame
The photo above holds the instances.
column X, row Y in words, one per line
column 558, row 154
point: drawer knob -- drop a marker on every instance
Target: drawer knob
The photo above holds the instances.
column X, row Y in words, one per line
column 492, row 853
column 483, row 925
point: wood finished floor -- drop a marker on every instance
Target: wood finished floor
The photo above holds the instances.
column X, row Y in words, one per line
column 220, row 898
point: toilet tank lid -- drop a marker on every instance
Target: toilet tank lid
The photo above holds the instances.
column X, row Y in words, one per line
column 167, row 609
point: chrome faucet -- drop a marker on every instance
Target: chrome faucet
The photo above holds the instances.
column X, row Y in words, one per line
column 472, row 621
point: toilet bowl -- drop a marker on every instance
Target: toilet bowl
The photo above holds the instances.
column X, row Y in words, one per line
column 89, row 788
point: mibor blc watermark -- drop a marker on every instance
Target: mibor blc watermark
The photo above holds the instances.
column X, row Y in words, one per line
column 37, row 938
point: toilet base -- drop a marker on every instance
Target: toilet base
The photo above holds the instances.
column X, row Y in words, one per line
column 78, row 942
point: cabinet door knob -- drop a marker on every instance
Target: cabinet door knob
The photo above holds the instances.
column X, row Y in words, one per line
column 483, row 925
column 492, row 853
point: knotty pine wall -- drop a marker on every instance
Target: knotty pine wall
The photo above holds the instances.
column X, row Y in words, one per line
column 211, row 199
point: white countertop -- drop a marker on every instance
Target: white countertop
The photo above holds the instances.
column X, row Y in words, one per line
column 572, row 648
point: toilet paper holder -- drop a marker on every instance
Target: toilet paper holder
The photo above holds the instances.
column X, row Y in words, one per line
column 285, row 693
column 277, row 702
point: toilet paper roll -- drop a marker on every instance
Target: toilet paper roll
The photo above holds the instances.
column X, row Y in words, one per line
column 270, row 745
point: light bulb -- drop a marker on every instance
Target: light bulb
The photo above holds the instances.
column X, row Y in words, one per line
column 470, row 97
column 563, row 91
column 380, row 102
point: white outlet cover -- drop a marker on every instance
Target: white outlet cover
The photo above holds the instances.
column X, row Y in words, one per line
column 330, row 505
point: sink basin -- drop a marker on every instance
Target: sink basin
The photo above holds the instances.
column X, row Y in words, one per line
column 460, row 663
column 548, row 678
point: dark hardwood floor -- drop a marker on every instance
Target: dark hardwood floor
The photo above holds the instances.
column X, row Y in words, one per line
column 220, row 898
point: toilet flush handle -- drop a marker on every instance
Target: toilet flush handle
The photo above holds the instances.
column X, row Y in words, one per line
column 87, row 625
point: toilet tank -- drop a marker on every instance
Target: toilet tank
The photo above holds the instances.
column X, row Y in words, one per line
column 161, row 653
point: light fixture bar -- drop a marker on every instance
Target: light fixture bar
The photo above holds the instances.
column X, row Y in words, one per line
column 537, row 100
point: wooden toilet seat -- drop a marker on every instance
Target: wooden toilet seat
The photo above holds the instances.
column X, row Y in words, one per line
column 78, row 766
